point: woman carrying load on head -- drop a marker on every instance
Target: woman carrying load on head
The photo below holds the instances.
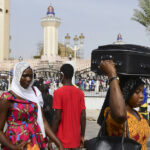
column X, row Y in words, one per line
column 122, row 97
column 21, row 109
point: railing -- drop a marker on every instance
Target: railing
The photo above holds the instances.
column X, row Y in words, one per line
column 46, row 19
column 95, row 94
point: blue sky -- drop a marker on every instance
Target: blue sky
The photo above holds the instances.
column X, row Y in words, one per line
column 99, row 20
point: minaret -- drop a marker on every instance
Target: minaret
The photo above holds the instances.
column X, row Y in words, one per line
column 119, row 40
column 50, row 24
column 4, row 29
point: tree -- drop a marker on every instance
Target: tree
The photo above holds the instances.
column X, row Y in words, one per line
column 143, row 15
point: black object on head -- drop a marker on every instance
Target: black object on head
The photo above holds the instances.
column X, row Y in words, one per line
column 67, row 70
column 128, row 86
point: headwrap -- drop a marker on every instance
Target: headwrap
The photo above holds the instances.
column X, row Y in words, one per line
column 128, row 86
column 28, row 93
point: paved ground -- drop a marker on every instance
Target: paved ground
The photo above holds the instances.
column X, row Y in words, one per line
column 92, row 129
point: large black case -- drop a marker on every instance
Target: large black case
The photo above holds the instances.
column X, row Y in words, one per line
column 133, row 60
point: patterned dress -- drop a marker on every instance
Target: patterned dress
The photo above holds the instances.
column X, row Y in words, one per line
column 22, row 122
column 139, row 130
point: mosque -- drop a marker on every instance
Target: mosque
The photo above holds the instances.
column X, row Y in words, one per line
column 52, row 53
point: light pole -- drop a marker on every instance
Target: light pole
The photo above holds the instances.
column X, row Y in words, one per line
column 77, row 46
column 67, row 41
column 81, row 52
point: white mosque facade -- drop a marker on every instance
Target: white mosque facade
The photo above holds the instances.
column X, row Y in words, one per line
column 50, row 24
column 50, row 56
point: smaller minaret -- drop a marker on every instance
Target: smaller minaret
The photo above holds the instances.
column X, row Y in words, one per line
column 119, row 40
column 50, row 24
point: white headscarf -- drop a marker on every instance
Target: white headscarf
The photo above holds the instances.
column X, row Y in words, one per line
column 28, row 93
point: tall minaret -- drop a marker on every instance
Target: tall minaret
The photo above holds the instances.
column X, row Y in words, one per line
column 50, row 23
column 4, row 29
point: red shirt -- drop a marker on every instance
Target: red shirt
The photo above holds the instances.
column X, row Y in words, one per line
column 71, row 101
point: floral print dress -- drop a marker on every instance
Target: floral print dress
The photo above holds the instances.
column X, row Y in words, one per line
column 22, row 122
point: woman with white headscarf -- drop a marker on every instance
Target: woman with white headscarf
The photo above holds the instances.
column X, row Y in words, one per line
column 21, row 108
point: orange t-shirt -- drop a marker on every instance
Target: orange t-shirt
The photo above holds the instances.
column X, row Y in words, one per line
column 138, row 130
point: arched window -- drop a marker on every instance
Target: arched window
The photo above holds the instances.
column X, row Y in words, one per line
column 6, row 10
column 1, row 10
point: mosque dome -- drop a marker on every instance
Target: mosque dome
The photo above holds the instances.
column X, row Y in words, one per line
column 50, row 11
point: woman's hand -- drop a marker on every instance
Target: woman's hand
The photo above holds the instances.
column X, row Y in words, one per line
column 108, row 68
column 61, row 147
column 82, row 142
column 21, row 146
column 50, row 146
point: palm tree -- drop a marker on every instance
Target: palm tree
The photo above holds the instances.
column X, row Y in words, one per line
column 143, row 16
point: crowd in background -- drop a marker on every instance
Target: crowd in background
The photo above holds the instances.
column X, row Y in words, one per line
column 3, row 84
column 89, row 84
column 96, row 85
column 85, row 84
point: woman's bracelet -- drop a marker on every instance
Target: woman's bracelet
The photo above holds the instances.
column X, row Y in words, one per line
column 113, row 78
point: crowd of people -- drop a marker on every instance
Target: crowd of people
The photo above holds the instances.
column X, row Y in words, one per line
column 85, row 84
column 37, row 120
column 88, row 85
column 96, row 85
